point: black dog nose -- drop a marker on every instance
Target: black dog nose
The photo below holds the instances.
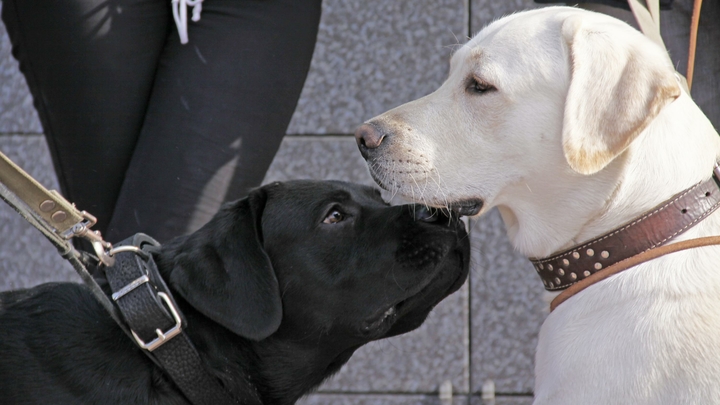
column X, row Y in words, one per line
column 368, row 138
column 426, row 214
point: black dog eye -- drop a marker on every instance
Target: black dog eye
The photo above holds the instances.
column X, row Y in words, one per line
column 479, row 86
column 334, row 217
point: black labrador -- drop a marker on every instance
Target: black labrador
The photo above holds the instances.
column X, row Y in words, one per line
column 279, row 289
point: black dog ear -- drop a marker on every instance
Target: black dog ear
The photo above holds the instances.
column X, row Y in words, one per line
column 223, row 271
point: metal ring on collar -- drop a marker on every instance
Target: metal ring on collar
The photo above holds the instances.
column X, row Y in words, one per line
column 129, row 248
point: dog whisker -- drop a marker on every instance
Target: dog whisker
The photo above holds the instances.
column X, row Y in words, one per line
column 418, row 187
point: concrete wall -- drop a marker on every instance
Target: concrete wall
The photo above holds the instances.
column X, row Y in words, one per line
column 371, row 55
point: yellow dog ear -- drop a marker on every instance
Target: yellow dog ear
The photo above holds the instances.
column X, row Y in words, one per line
column 619, row 83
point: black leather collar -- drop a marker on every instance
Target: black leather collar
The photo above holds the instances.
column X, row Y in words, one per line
column 157, row 324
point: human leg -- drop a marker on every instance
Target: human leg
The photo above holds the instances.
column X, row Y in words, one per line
column 219, row 109
column 90, row 66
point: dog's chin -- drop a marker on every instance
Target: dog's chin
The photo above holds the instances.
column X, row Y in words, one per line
column 409, row 313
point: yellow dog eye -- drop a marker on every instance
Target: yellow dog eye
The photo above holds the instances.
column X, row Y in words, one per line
column 334, row 217
column 479, row 86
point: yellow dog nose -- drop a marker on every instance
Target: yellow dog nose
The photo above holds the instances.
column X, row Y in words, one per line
column 368, row 137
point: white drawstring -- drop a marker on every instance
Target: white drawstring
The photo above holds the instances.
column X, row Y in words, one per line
column 180, row 15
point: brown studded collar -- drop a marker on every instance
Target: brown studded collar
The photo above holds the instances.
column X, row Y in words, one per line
column 654, row 228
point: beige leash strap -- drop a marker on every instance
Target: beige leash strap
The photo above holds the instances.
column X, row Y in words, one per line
column 631, row 262
column 47, row 204
column 36, row 204
column 648, row 18
column 50, row 210
column 694, row 25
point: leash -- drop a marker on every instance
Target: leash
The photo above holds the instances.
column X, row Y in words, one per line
column 143, row 307
column 58, row 220
column 648, row 18
column 694, row 26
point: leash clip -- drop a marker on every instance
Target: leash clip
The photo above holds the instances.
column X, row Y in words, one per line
column 82, row 230
column 104, row 249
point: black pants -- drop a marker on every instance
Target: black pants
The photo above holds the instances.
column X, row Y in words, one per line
column 150, row 135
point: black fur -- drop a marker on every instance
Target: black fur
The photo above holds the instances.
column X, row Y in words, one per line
column 276, row 301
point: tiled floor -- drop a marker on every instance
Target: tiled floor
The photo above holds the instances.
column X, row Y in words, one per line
column 371, row 56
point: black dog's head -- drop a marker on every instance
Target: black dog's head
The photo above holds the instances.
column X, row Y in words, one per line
column 320, row 268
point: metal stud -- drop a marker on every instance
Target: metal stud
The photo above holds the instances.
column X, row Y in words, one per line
column 550, row 267
column 573, row 276
column 576, row 255
column 59, row 216
column 47, row 205
column 550, row 285
column 586, row 273
column 540, row 266
column 561, row 272
column 590, row 252
column 598, row 266
column 566, row 262
column 604, row 254
column 557, row 281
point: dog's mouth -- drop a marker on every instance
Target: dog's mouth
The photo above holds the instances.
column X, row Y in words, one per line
column 468, row 207
column 416, row 305
column 385, row 318
column 379, row 325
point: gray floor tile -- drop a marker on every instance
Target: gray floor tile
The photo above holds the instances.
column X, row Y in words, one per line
column 503, row 400
column 319, row 158
column 507, row 309
column 17, row 114
column 322, row 158
column 372, row 55
column 377, row 399
column 486, row 11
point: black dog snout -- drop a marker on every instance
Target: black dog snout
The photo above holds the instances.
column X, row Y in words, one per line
column 430, row 215
column 425, row 214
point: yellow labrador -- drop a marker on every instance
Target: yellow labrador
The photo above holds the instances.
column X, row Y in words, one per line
column 572, row 123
